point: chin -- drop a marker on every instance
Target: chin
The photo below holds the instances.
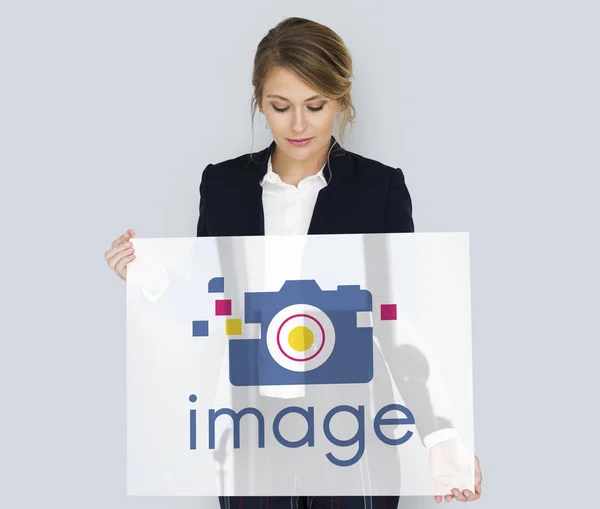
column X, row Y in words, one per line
column 298, row 156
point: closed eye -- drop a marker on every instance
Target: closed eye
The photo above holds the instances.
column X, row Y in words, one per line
column 282, row 110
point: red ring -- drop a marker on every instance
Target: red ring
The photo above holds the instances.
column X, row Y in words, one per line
column 313, row 355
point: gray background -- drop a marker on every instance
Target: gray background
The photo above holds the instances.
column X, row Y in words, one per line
column 110, row 111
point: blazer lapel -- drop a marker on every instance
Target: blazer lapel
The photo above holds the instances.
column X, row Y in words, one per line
column 253, row 214
column 331, row 200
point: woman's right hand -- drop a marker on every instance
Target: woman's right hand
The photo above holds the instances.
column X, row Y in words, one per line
column 120, row 254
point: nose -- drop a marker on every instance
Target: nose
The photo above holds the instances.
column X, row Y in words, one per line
column 299, row 120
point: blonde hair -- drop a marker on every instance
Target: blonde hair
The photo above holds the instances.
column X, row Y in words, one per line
column 316, row 54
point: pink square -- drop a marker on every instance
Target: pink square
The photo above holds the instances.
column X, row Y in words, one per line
column 388, row 311
column 223, row 307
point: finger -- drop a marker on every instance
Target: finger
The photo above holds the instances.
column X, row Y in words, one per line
column 119, row 247
column 123, row 262
column 438, row 498
column 114, row 260
column 448, row 498
column 440, row 489
column 458, row 495
column 470, row 496
column 132, row 233
column 114, row 254
column 478, row 476
column 122, row 238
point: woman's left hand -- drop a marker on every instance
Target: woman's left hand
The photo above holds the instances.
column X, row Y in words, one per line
column 465, row 495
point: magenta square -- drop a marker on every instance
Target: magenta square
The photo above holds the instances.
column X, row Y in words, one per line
column 223, row 307
column 388, row 311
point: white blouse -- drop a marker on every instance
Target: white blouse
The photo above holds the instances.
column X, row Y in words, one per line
column 288, row 209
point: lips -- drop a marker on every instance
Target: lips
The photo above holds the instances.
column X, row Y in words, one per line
column 299, row 142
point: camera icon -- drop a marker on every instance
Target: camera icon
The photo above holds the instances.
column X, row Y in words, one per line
column 308, row 336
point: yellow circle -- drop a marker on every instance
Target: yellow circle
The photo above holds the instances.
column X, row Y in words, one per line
column 301, row 338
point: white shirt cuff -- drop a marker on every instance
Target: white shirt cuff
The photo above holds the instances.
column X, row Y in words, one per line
column 439, row 436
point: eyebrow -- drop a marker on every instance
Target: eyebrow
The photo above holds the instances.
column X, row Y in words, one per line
column 318, row 96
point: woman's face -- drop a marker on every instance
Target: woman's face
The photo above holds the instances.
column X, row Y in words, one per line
column 296, row 111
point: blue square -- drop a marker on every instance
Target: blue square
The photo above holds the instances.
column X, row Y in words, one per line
column 200, row 328
column 216, row 285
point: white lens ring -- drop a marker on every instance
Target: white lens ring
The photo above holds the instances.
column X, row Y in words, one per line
column 286, row 320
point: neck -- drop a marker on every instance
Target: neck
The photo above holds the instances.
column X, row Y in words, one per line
column 292, row 171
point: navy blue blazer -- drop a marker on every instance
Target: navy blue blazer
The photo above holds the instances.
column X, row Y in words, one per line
column 363, row 196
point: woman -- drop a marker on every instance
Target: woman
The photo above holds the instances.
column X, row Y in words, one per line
column 304, row 182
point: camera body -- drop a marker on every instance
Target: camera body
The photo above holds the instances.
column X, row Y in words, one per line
column 308, row 336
